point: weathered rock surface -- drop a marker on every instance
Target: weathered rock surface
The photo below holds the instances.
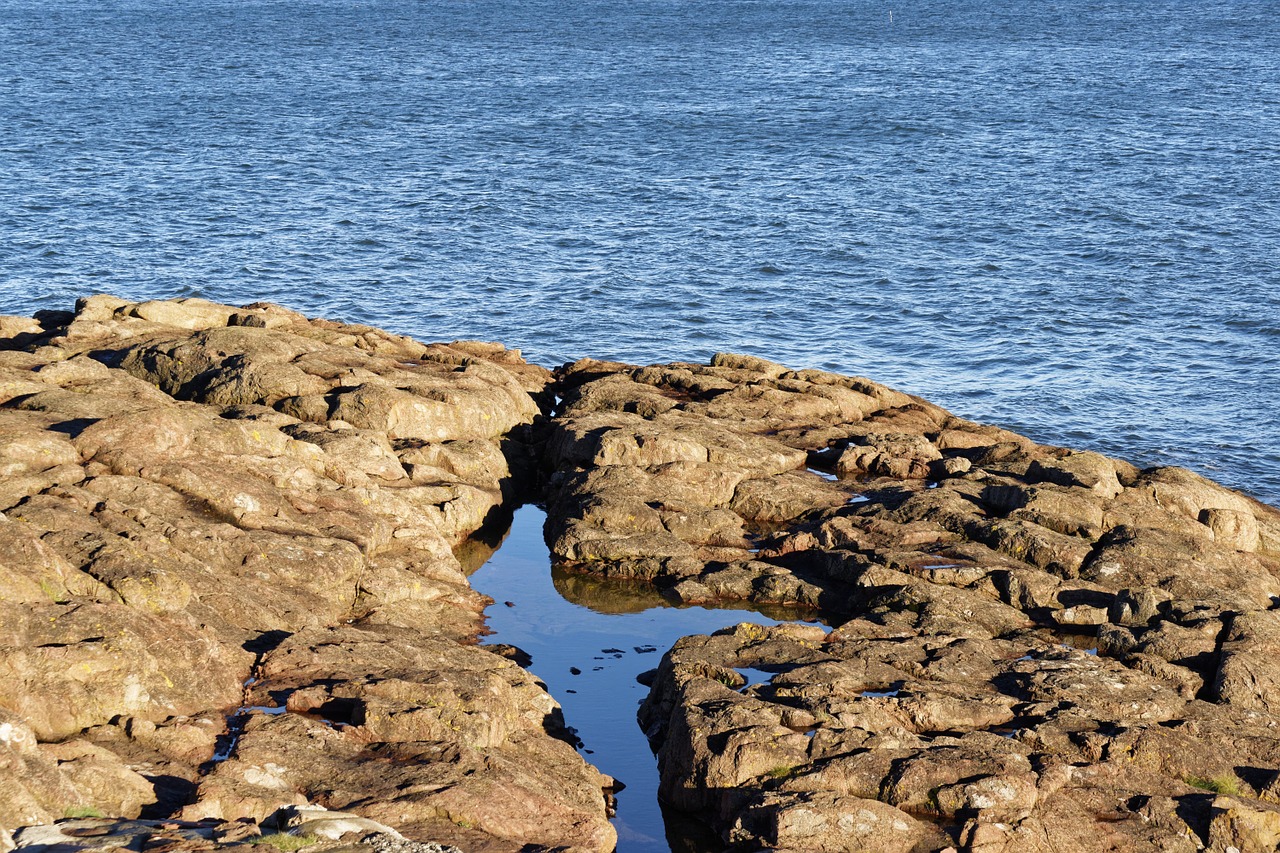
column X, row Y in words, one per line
column 421, row 733
column 313, row 829
column 232, row 585
column 1039, row 648
column 206, row 509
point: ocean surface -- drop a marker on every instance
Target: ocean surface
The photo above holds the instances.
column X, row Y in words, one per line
column 1063, row 217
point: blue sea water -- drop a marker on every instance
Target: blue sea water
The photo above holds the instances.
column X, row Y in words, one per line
column 588, row 647
column 1063, row 217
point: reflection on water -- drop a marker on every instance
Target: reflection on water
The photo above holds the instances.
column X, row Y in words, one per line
column 589, row 640
column 755, row 677
column 476, row 550
column 616, row 597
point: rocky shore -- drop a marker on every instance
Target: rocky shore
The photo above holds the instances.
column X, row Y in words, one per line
column 235, row 606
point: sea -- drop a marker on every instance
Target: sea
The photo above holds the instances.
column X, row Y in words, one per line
column 1062, row 217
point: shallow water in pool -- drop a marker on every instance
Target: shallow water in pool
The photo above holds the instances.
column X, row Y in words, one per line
column 589, row 640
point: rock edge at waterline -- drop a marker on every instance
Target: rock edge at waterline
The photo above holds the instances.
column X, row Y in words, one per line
column 233, row 594
column 1037, row 649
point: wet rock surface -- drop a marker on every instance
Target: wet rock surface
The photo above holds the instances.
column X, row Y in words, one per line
column 230, row 587
column 232, row 580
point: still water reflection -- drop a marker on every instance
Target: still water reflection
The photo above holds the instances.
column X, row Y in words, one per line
column 589, row 639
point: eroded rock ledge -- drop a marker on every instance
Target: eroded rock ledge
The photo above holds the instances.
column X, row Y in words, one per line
column 208, row 508
column 231, row 589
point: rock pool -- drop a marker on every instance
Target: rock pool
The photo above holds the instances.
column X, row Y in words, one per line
column 589, row 639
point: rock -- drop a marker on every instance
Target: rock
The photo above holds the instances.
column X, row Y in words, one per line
column 233, row 545
column 40, row 783
column 1232, row 528
column 361, row 694
column 32, row 790
column 205, row 504
column 706, row 468
column 99, row 834
column 966, row 730
column 903, row 456
column 72, row 666
column 183, row 313
column 1247, row 676
column 1087, row 470
column 323, row 823
column 830, row 823
column 1237, row 825
column 19, row 331
column 532, row 788
column 943, row 533
column 100, row 779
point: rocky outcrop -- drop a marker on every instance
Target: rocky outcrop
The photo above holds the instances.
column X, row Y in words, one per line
column 231, row 573
column 786, row 738
column 313, row 829
column 1038, row 649
column 230, row 587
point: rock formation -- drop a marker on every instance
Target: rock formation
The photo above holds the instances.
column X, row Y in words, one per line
column 232, row 594
column 208, row 509
column 1038, row 649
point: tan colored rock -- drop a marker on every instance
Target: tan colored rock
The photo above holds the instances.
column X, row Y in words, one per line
column 32, row 790
column 785, row 496
column 903, row 456
column 32, row 572
column 303, row 495
column 1071, row 511
column 40, row 783
column 829, row 823
column 17, row 331
column 77, row 665
column 1232, row 528
column 100, row 779
column 1248, row 828
column 533, row 790
column 956, row 534
column 1084, row 469
column 955, row 734
column 194, row 492
column 1247, row 675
